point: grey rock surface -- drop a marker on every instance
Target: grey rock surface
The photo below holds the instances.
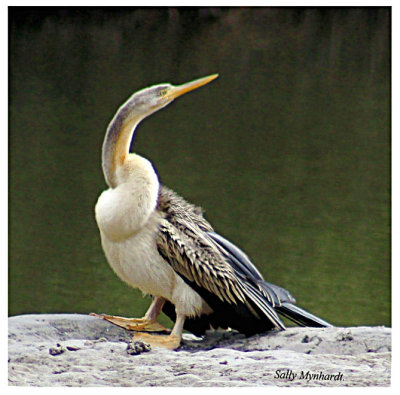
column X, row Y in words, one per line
column 80, row 350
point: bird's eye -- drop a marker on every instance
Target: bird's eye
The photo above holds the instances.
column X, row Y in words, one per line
column 163, row 92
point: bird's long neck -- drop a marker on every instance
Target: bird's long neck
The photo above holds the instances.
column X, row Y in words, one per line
column 117, row 143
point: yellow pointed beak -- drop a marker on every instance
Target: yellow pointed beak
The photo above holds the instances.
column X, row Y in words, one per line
column 180, row 90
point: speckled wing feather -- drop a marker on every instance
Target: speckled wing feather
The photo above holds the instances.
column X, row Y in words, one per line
column 184, row 243
column 242, row 264
column 201, row 265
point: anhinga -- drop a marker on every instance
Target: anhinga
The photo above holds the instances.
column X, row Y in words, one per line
column 156, row 241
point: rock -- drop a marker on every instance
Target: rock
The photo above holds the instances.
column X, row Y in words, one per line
column 80, row 350
column 137, row 347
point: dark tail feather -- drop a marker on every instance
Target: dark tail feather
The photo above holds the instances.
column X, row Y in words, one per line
column 300, row 316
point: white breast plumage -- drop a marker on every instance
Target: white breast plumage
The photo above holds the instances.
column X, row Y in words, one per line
column 123, row 211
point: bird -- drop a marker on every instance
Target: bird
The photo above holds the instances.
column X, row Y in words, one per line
column 156, row 241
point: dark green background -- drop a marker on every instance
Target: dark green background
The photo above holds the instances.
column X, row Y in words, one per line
column 288, row 151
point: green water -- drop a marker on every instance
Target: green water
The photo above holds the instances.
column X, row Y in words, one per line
column 288, row 151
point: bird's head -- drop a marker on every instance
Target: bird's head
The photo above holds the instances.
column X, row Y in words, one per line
column 151, row 99
column 139, row 106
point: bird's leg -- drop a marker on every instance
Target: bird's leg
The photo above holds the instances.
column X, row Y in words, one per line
column 148, row 323
column 170, row 342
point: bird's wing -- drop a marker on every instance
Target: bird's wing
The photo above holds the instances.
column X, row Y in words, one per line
column 194, row 255
column 240, row 260
column 241, row 263
column 198, row 265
